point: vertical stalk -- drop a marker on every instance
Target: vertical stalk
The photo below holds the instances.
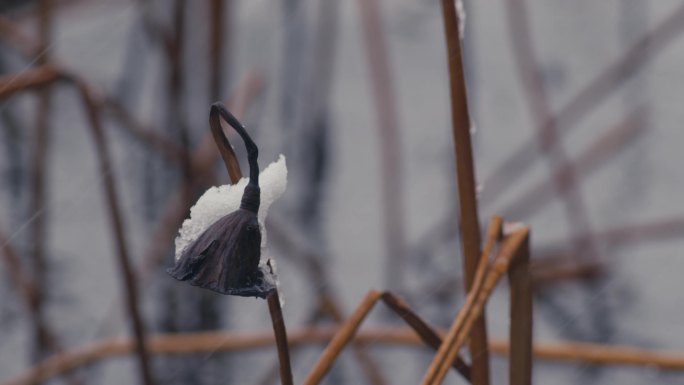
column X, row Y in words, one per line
column 128, row 276
column 520, row 357
column 465, row 175
column 216, row 49
column 280, row 337
column 388, row 130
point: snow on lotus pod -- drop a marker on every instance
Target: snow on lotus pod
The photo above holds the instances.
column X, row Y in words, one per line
column 219, row 247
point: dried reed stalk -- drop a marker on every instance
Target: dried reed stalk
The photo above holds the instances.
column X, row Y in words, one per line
column 29, row 79
column 389, row 139
column 350, row 326
column 364, row 358
column 192, row 343
column 485, row 280
column 520, row 333
column 128, row 276
column 427, row 334
column 216, row 29
column 465, row 175
column 38, row 174
column 341, row 338
column 280, row 338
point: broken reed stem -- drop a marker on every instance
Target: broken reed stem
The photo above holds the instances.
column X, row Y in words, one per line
column 389, row 140
column 127, row 274
column 364, row 358
column 349, row 328
column 520, row 332
column 341, row 338
column 465, row 176
column 328, row 306
column 588, row 98
column 486, row 279
column 427, row 334
column 280, row 337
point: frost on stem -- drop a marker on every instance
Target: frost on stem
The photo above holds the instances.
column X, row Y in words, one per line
column 460, row 12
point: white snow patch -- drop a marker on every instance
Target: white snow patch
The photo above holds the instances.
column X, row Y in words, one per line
column 218, row 202
column 460, row 12
column 511, row 227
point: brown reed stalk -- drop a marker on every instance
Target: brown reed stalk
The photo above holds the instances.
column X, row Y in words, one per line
column 280, row 337
column 364, row 358
column 38, row 172
column 520, row 332
column 216, row 43
column 588, row 98
column 348, row 329
column 328, row 306
column 427, row 334
column 486, row 279
column 465, row 176
column 29, row 79
column 18, row 277
column 199, row 342
column 128, row 277
column 341, row 338
column 389, row 139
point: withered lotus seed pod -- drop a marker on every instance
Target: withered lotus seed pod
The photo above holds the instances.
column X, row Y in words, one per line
column 225, row 257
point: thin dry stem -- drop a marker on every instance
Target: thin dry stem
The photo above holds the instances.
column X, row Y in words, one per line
column 280, row 337
column 520, row 333
column 484, row 283
column 341, row 338
column 465, row 176
column 188, row 343
column 389, row 139
column 128, row 276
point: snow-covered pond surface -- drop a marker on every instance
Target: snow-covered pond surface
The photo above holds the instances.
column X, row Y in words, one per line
column 574, row 42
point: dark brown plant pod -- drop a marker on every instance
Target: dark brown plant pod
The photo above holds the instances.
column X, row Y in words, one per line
column 225, row 257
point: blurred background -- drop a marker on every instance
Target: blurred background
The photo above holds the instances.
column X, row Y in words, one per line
column 576, row 122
